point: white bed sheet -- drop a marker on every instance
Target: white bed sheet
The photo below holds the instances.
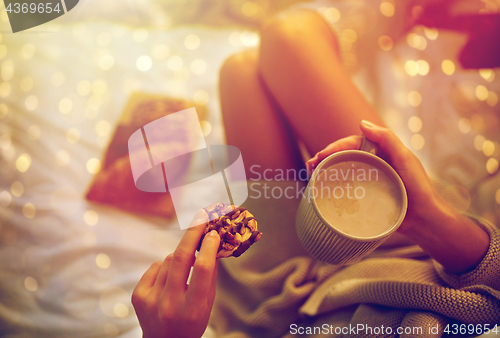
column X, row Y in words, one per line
column 50, row 282
column 57, row 254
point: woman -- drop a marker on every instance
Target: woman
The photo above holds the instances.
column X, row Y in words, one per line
column 295, row 87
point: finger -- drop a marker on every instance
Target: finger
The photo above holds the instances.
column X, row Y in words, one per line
column 203, row 268
column 389, row 143
column 347, row 143
column 211, row 292
column 147, row 280
column 161, row 278
column 408, row 166
column 184, row 256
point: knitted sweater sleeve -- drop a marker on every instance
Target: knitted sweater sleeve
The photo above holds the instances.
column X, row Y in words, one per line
column 487, row 272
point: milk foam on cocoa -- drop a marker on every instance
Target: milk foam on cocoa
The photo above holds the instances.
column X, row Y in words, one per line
column 357, row 198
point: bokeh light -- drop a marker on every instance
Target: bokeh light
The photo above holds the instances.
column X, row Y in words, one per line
column 478, row 142
column 29, row 210
column 65, row 105
column 72, row 135
column 104, row 39
column 182, row 75
column 106, row 62
column 387, row 9
column 99, row 87
column 492, row 99
column 415, row 124
column 492, row 165
column 110, row 297
column 416, row 41
column 30, row 284
column 488, row 148
column 93, row 165
column 349, row 36
column 93, row 104
column 144, row 63
column 84, row 87
column 431, row 33
column 17, row 188
column 422, row 67
column 103, row 128
column 192, row 42
column 234, row 39
column 7, row 70
column 332, row 14
column 448, row 67
column 385, row 42
column 160, row 52
column 23, row 162
column 62, row 158
column 417, row 11
column 120, row 310
column 31, row 103
column 250, row 9
column 392, row 118
column 464, row 125
column 201, row 97
column 411, row 68
column 417, row 141
column 5, row 198
column 91, row 217
column 249, row 38
column 414, row 98
column 487, row 74
column 102, row 261
column 477, row 122
column 206, row 127
column 481, row 93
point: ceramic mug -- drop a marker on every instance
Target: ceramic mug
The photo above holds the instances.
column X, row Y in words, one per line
column 329, row 237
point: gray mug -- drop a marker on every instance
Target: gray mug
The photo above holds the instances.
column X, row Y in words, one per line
column 322, row 238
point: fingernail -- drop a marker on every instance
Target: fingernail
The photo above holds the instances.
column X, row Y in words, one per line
column 367, row 124
column 200, row 214
column 213, row 233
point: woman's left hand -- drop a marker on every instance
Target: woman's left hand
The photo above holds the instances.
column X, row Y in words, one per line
column 446, row 235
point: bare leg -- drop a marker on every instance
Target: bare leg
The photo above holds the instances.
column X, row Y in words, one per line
column 252, row 121
column 301, row 67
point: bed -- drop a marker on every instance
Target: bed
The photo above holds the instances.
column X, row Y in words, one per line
column 68, row 266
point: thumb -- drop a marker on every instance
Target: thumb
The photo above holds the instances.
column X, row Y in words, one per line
column 388, row 142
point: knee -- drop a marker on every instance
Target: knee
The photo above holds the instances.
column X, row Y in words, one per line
column 238, row 66
column 291, row 29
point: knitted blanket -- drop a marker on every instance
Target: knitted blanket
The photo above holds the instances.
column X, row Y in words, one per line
column 277, row 290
